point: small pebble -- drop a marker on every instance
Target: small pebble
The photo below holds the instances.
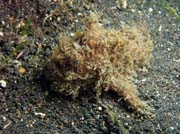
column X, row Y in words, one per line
column 143, row 80
column 17, row 63
column 3, row 22
column 172, row 128
column 178, row 60
column 100, row 108
column 58, row 19
column 126, row 124
column 133, row 10
column 150, row 10
column 124, row 3
column 20, row 24
column 72, row 34
column 3, row 83
column 1, row 33
column 42, row 115
column 160, row 28
column 19, row 55
column 76, row 21
column 21, row 70
column 79, row 14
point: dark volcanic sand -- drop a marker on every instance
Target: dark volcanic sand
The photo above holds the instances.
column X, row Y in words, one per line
column 27, row 37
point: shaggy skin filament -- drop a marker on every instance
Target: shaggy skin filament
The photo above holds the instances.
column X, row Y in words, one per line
column 100, row 58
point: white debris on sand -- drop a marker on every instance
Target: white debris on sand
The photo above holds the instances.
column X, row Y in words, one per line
column 3, row 83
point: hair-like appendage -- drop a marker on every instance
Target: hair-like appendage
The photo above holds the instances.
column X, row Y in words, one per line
column 101, row 58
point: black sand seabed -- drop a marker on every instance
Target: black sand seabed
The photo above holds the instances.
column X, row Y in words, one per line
column 28, row 33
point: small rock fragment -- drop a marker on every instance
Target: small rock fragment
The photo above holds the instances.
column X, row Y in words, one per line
column 20, row 24
column 21, row 70
column 3, row 83
column 100, row 108
column 20, row 54
column 9, row 123
column 1, row 33
column 150, row 10
column 42, row 115
column 124, row 3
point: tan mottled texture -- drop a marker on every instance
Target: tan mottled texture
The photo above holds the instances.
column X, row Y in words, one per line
column 105, row 59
